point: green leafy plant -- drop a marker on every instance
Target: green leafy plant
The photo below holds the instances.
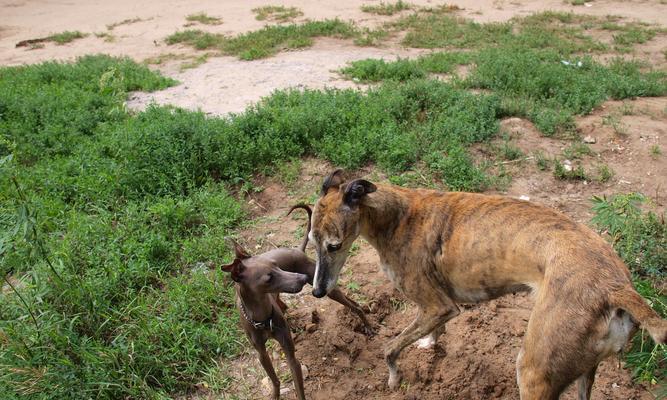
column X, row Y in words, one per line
column 276, row 13
column 386, row 8
column 204, row 18
column 640, row 238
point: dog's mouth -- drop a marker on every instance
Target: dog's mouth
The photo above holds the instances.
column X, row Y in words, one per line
column 324, row 281
column 298, row 285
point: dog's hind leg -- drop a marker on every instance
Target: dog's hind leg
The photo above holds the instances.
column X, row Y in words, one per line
column 424, row 324
column 431, row 339
column 585, row 384
column 265, row 360
column 338, row 296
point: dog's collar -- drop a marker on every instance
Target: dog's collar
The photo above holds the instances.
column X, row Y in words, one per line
column 266, row 324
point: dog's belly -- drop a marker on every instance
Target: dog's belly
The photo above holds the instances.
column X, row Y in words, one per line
column 476, row 295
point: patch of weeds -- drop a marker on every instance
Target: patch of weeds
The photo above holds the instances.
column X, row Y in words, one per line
column 371, row 37
column 576, row 2
column 194, row 62
column 374, row 70
column 568, row 172
column 640, row 238
column 441, row 9
column 634, row 34
column 163, row 58
column 204, row 18
column 196, row 38
column 270, row 39
column 542, row 161
column 108, row 37
column 386, row 8
column 627, row 108
column 655, row 151
column 288, row 172
column 551, row 93
column 614, row 120
column 509, row 152
column 353, row 286
column 66, row 37
column 576, row 151
column 266, row 41
column 604, row 173
column 276, row 13
column 124, row 22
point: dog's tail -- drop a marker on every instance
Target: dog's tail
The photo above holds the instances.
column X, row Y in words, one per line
column 630, row 301
column 306, row 207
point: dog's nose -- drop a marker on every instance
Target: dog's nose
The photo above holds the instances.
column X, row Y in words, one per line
column 319, row 292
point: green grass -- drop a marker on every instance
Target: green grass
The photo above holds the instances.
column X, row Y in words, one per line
column 640, row 238
column 276, row 13
column 569, row 172
column 374, row 70
column 112, row 271
column 386, row 8
column 204, row 18
column 266, row 41
column 66, row 37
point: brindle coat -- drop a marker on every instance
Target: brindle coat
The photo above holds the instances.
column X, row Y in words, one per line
column 440, row 249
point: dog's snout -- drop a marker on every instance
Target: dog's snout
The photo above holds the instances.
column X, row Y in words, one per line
column 319, row 292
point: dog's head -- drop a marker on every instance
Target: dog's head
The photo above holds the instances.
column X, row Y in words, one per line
column 262, row 275
column 335, row 226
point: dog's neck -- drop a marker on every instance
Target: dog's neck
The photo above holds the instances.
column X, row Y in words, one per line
column 381, row 213
column 258, row 306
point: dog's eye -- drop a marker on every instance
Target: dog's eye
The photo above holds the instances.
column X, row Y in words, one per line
column 268, row 277
column 333, row 247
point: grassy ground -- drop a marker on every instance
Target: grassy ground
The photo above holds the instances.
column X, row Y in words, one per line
column 111, row 220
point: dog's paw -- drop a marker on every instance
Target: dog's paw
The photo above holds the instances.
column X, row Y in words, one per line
column 369, row 330
column 427, row 342
column 394, row 380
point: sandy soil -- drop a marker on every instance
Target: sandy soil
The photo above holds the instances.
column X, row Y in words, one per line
column 475, row 358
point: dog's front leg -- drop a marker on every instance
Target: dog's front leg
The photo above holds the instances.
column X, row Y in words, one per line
column 424, row 324
column 284, row 337
column 338, row 296
column 265, row 360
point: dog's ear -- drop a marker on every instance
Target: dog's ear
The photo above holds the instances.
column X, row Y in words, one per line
column 332, row 181
column 356, row 190
column 240, row 252
column 235, row 268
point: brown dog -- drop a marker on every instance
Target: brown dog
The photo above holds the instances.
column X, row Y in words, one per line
column 443, row 248
column 260, row 279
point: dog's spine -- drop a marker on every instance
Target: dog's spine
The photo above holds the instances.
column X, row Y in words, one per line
column 630, row 301
column 306, row 207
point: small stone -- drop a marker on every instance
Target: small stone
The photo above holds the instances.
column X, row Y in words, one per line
column 304, row 371
column 524, row 197
column 310, row 328
column 285, row 390
column 589, row 139
column 267, row 386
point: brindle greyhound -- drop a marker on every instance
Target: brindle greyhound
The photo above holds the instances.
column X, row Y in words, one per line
column 442, row 248
column 260, row 279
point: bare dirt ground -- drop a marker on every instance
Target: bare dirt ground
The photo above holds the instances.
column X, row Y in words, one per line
column 475, row 358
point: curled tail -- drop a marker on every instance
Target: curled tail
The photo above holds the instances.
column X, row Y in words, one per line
column 630, row 301
column 306, row 207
